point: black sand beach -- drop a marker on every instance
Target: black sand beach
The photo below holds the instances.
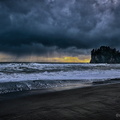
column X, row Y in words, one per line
column 90, row 103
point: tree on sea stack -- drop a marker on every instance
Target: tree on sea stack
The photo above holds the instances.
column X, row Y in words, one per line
column 105, row 54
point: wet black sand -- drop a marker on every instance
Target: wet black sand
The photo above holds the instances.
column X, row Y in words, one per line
column 89, row 103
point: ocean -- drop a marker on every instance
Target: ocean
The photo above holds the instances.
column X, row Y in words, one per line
column 31, row 76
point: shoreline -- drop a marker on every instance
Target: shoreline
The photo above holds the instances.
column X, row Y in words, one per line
column 46, row 85
column 88, row 103
column 25, row 93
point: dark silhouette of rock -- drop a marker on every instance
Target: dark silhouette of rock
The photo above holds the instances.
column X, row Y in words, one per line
column 105, row 54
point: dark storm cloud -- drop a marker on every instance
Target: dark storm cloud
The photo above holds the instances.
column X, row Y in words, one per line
column 45, row 26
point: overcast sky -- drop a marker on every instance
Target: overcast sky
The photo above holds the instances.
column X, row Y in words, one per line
column 58, row 27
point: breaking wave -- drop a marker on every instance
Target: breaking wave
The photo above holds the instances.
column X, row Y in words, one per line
column 28, row 76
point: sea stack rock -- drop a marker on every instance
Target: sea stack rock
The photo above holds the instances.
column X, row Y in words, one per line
column 105, row 54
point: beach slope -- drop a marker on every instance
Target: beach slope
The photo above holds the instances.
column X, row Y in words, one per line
column 90, row 103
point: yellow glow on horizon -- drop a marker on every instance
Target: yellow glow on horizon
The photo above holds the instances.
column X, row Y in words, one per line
column 74, row 59
column 66, row 59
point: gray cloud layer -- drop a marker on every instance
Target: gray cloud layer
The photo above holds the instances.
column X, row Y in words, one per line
column 45, row 26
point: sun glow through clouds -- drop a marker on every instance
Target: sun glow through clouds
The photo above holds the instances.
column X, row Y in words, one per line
column 33, row 58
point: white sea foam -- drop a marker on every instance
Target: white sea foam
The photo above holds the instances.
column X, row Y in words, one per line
column 27, row 76
column 12, row 72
